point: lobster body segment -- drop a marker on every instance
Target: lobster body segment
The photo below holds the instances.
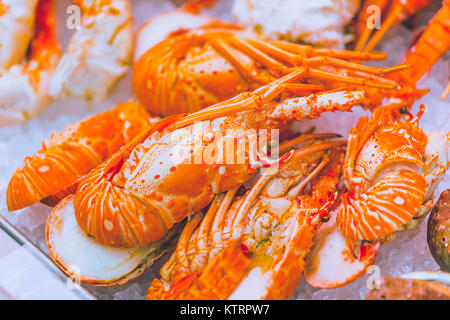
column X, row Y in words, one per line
column 28, row 67
column 166, row 186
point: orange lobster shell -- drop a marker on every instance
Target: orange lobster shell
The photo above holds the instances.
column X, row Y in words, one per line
column 433, row 43
column 185, row 74
column 195, row 68
column 384, row 175
column 121, row 211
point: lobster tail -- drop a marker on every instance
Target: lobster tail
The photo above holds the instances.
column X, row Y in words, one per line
column 70, row 154
column 111, row 214
column 390, row 203
column 36, row 179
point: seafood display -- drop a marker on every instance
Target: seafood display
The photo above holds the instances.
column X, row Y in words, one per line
column 143, row 191
column 218, row 172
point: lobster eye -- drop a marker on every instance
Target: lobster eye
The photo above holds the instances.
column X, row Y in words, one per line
column 404, row 110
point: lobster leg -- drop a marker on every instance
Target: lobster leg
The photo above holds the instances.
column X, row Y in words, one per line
column 320, row 60
column 201, row 243
column 296, row 108
column 183, row 265
column 261, row 51
column 362, row 32
column 247, row 72
column 396, row 12
column 388, row 22
column 216, row 243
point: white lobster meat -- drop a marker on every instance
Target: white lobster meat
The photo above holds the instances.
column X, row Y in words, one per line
column 99, row 52
column 25, row 75
column 17, row 25
column 88, row 261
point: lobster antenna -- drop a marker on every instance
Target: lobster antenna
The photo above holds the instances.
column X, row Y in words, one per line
column 390, row 20
column 446, row 92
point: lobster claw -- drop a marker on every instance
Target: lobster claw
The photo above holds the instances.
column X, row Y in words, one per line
column 335, row 260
